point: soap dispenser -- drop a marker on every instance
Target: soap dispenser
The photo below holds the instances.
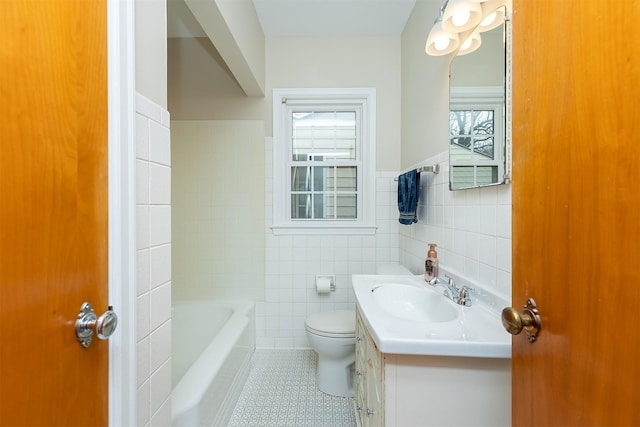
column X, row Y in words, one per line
column 431, row 263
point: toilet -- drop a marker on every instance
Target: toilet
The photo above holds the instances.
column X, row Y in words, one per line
column 332, row 334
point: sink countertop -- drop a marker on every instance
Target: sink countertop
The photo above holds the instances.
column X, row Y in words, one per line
column 476, row 332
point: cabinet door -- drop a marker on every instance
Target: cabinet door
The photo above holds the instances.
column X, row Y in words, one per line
column 369, row 379
column 374, row 375
column 374, row 408
column 361, row 367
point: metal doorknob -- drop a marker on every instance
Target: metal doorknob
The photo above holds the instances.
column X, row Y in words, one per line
column 88, row 324
column 529, row 320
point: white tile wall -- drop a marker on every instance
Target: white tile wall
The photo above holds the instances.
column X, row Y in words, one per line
column 218, row 209
column 292, row 263
column 471, row 227
column 153, row 231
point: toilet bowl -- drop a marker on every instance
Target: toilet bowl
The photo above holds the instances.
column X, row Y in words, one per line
column 332, row 335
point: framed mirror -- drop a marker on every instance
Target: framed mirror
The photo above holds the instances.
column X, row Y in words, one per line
column 479, row 121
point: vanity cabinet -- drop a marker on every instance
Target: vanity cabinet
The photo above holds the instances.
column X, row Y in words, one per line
column 369, row 378
column 396, row 390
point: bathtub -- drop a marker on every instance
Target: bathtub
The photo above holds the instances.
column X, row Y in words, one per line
column 212, row 345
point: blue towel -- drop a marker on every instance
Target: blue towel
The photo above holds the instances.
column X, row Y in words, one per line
column 408, row 192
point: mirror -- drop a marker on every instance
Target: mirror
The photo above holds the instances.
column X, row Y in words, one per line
column 478, row 115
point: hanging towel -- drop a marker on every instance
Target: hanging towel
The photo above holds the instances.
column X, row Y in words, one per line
column 408, row 191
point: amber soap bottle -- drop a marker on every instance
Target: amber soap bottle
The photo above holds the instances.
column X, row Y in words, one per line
column 431, row 263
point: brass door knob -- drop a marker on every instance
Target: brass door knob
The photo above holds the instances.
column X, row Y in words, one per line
column 529, row 320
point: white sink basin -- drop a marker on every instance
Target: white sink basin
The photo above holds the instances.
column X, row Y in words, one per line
column 413, row 303
column 406, row 316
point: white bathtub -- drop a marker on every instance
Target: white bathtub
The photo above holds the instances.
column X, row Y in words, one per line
column 212, row 345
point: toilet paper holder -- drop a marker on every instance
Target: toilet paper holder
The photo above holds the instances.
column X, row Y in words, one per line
column 332, row 281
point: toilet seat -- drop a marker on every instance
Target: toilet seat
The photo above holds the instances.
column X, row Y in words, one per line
column 334, row 324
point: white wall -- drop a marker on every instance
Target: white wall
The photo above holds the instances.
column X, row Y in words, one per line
column 151, row 50
column 234, row 28
column 293, row 62
column 243, row 23
column 218, row 209
column 153, row 244
column 425, row 89
column 344, row 62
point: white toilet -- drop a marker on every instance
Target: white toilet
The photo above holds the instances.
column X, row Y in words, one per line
column 332, row 334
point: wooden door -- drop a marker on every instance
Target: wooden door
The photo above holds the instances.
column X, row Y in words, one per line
column 576, row 210
column 53, row 210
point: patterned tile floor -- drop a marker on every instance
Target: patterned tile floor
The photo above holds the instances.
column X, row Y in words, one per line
column 281, row 392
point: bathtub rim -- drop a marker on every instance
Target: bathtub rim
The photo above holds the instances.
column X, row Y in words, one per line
column 189, row 391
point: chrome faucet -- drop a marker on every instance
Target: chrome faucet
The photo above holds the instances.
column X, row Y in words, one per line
column 458, row 295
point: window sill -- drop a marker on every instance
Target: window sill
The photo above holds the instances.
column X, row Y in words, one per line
column 319, row 229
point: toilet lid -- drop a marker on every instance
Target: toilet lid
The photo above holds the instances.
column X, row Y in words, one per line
column 335, row 322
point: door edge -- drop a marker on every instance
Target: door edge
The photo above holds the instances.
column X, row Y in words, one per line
column 122, row 253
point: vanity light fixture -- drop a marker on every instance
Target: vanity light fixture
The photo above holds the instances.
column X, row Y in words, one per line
column 439, row 41
column 494, row 12
column 461, row 15
column 471, row 44
column 466, row 18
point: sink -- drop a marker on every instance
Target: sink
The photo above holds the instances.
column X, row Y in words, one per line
column 413, row 303
column 406, row 316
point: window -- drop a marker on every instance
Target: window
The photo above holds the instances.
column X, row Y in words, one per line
column 476, row 153
column 324, row 161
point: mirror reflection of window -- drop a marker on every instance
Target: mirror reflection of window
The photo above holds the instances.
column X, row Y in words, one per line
column 473, row 131
column 476, row 132
column 472, row 143
column 478, row 136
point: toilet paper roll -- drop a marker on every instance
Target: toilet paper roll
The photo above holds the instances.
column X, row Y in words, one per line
column 323, row 285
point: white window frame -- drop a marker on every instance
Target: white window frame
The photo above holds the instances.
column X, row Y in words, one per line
column 363, row 99
column 483, row 98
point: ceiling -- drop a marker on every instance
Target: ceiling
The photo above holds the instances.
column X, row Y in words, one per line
column 280, row 18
